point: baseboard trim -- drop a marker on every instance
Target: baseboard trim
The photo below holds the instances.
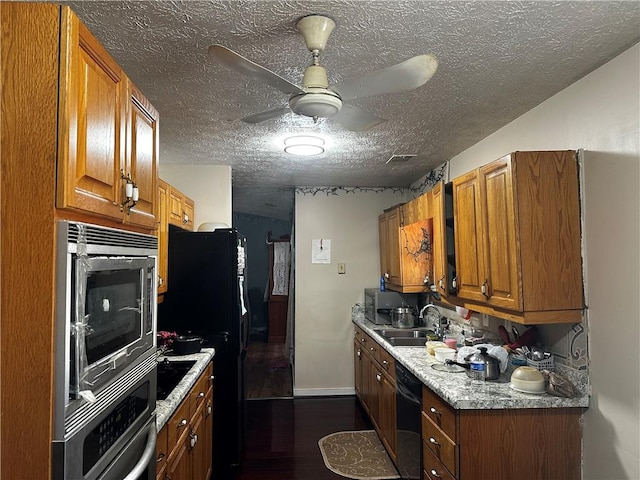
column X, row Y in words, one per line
column 323, row 392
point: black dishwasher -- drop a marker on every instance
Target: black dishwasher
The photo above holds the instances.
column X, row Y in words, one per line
column 408, row 423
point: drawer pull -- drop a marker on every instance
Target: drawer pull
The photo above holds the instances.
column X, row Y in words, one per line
column 378, row 377
column 434, row 473
column 434, row 441
column 201, row 395
column 385, row 363
column 434, row 411
column 160, row 457
column 363, row 340
column 183, row 423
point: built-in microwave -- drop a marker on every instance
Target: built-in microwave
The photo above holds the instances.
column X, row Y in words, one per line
column 105, row 308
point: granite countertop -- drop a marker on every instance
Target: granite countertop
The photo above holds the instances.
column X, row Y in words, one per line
column 165, row 408
column 456, row 388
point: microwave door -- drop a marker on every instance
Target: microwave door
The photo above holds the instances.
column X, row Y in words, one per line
column 111, row 306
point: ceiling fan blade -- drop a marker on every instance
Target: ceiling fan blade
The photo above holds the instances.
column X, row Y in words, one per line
column 357, row 120
column 245, row 66
column 404, row 76
column 266, row 115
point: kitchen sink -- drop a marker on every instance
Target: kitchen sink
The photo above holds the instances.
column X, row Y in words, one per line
column 406, row 337
column 169, row 375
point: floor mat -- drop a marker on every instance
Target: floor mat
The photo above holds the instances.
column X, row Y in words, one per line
column 358, row 455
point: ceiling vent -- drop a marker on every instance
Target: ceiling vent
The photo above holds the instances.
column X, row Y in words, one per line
column 400, row 158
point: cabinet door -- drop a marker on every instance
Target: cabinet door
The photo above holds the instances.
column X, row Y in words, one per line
column 92, row 125
column 383, row 238
column 357, row 368
column 499, row 238
column 208, row 433
column 393, row 247
column 175, row 207
column 163, row 235
column 387, row 413
column 200, row 457
column 179, row 464
column 142, row 157
column 468, row 240
column 188, row 213
column 439, row 250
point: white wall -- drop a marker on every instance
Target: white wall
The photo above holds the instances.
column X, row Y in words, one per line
column 208, row 185
column 601, row 114
column 323, row 298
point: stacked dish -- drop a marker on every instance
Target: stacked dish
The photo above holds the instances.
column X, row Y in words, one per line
column 528, row 380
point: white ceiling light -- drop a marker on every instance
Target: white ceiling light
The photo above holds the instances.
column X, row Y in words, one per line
column 304, row 145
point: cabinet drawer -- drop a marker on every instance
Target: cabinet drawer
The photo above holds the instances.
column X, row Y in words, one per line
column 440, row 412
column 433, row 468
column 161, row 448
column 387, row 362
column 178, row 424
column 439, row 444
column 198, row 393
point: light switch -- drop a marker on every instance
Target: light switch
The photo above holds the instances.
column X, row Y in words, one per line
column 342, row 268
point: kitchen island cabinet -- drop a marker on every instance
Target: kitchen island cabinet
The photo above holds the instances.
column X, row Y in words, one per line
column 471, row 431
column 518, row 239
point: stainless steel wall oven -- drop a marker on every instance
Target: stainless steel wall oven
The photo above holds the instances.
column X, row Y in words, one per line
column 105, row 376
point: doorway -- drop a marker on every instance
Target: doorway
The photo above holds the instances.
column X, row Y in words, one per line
column 268, row 364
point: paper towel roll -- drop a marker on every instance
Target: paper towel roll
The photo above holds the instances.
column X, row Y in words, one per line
column 463, row 312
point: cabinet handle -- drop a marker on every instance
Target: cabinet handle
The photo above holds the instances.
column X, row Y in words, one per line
column 434, row 411
column 379, row 377
column 441, row 283
column 160, row 281
column 372, row 349
column 160, row 457
column 200, row 395
column 362, row 340
column 434, row 473
column 434, row 441
column 185, row 217
column 359, row 353
column 385, row 363
column 183, row 423
column 454, row 282
column 212, row 378
column 386, row 275
column 484, row 288
column 193, row 439
column 209, row 409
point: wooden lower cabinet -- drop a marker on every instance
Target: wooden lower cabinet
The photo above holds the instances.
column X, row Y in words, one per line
column 375, row 386
column 189, row 434
column 520, row 443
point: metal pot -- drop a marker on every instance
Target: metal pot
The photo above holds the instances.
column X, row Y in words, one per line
column 403, row 317
column 491, row 363
column 187, row 344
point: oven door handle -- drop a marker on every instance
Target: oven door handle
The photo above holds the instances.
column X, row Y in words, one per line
column 147, row 454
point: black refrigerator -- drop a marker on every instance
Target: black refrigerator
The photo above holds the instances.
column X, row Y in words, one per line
column 207, row 296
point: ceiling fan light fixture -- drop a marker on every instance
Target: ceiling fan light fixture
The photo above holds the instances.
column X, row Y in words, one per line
column 304, row 145
column 322, row 104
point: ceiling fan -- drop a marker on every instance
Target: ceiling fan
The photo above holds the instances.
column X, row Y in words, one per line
column 316, row 98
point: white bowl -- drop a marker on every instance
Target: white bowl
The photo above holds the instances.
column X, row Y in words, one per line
column 444, row 353
column 528, row 379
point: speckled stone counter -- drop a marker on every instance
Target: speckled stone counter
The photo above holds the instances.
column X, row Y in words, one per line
column 456, row 388
column 166, row 407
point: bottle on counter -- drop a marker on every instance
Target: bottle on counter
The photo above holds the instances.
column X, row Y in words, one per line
column 382, row 283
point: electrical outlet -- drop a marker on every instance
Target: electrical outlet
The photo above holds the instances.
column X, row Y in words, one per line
column 485, row 320
column 342, row 268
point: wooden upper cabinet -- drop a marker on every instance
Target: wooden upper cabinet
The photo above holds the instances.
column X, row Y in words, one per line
column 92, row 123
column 163, row 235
column 142, row 156
column 181, row 209
column 439, row 241
column 107, row 130
column 518, row 239
column 405, row 250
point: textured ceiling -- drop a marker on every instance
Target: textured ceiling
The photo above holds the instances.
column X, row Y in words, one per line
column 496, row 61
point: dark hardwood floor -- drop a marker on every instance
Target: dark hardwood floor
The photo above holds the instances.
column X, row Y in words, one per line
column 282, row 436
column 268, row 371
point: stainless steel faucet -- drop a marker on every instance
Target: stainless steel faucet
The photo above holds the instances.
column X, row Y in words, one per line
column 437, row 328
